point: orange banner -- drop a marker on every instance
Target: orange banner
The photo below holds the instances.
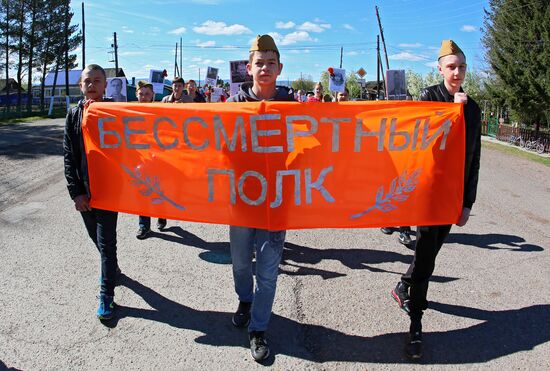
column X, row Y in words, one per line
column 279, row 165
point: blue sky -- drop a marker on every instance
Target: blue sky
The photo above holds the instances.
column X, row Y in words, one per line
column 309, row 34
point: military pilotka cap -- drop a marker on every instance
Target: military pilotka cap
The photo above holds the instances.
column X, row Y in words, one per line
column 263, row 43
column 144, row 84
column 449, row 47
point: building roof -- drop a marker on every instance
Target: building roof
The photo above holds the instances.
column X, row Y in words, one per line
column 74, row 75
column 13, row 85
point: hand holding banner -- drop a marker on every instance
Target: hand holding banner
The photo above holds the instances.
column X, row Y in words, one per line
column 279, row 165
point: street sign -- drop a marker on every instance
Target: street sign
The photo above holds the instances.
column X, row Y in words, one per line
column 361, row 72
column 361, row 82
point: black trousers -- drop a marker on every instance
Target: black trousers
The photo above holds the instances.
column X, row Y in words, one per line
column 429, row 240
column 101, row 227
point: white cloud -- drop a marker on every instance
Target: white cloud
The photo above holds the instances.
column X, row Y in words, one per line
column 127, row 29
column 149, row 66
column 299, row 51
column 206, row 43
column 208, row 62
column 229, row 47
column 284, row 25
column 408, row 56
column 313, row 27
column 220, row 28
column 468, row 28
column 351, row 54
column 131, row 54
column 178, row 31
column 348, row 27
column 432, row 64
column 415, row 45
column 154, row 29
column 291, row 38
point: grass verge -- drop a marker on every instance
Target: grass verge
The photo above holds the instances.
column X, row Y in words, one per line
column 516, row 152
column 19, row 120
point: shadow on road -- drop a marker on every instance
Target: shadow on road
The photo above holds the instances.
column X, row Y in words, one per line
column 351, row 258
column 4, row 367
column 501, row 333
column 295, row 255
column 25, row 141
column 489, row 240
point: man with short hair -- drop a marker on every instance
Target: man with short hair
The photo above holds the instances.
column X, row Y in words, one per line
column 255, row 305
column 100, row 224
column 411, row 292
column 117, row 95
column 178, row 95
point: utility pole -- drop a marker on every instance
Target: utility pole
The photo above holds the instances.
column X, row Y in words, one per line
column 115, row 46
column 181, row 57
column 176, row 62
column 377, row 67
column 67, row 10
column 382, row 35
column 83, row 39
column 341, row 53
column 199, row 77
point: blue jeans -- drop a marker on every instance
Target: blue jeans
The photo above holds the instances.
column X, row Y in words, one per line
column 145, row 222
column 101, row 226
column 269, row 250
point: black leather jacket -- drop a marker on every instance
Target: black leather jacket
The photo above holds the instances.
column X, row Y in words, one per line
column 472, row 118
column 76, row 166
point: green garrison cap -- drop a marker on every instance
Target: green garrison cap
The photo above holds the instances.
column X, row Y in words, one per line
column 144, row 84
column 263, row 43
column 449, row 47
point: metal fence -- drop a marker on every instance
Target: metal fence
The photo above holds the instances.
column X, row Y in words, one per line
column 505, row 132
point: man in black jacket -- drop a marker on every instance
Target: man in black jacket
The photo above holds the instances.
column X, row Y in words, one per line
column 100, row 224
column 411, row 292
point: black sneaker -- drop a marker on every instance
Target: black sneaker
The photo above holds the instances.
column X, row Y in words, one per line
column 241, row 318
column 161, row 224
column 401, row 296
column 258, row 346
column 413, row 349
column 142, row 233
column 405, row 237
column 386, row 230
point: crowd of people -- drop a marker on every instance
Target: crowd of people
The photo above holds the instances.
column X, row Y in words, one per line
column 256, row 297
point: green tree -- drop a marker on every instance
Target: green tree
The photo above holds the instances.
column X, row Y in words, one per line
column 474, row 85
column 324, row 81
column 415, row 83
column 304, row 83
column 433, row 78
column 517, row 41
column 352, row 84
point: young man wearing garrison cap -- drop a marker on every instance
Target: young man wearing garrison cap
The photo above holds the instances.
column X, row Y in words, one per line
column 255, row 305
column 411, row 292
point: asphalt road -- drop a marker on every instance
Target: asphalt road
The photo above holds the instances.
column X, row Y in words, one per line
column 489, row 297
